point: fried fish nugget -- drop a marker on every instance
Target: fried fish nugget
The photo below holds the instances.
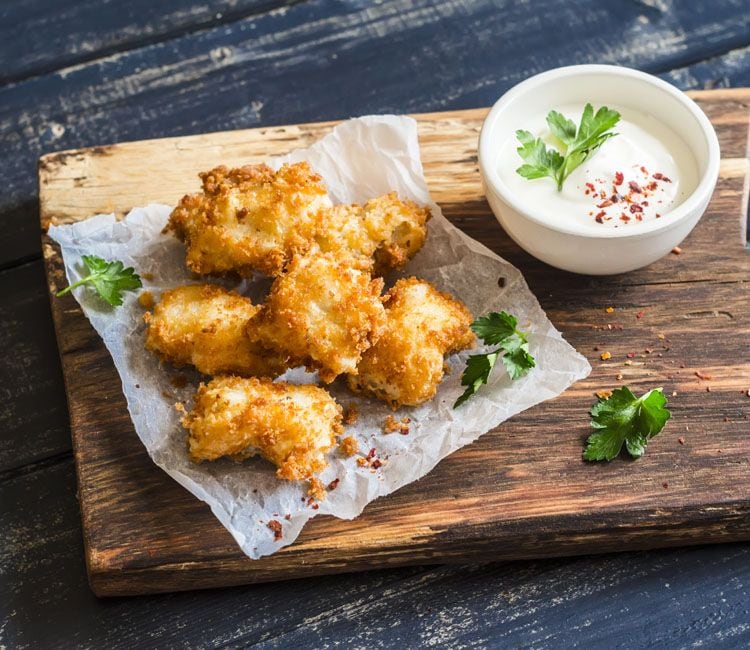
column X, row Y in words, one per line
column 291, row 426
column 204, row 325
column 386, row 229
column 250, row 218
column 423, row 325
column 322, row 313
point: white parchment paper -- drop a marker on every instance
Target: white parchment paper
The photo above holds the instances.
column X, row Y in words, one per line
column 360, row 159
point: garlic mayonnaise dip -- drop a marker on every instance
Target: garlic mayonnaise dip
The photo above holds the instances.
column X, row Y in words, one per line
column 637, row 176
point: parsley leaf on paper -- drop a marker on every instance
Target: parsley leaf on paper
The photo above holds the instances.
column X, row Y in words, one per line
column 624, row 419
column 109, row 279
column 496, row 328
column 579, row 144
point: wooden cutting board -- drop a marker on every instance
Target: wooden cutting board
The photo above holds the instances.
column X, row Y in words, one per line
column 522, row 490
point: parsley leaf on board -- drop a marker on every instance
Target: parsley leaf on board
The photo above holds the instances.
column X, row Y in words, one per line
column 496, row 328
column 579, row 143
column 109, row 279
column 624, row 419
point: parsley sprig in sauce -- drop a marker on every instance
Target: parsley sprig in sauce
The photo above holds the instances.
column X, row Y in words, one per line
column 579, row 144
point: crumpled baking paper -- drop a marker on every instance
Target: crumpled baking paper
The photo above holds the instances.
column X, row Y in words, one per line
column 358, row 160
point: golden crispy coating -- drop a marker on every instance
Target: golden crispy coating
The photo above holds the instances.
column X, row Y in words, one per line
column 250, row 218
column 405, row 365
column 291, row 426
column 322, row 313
column 204, row 326
column 386, row 228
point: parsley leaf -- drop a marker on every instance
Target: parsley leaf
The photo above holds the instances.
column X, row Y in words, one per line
column 624, row 419
column 563, row 128
column 109, row 279
column 496, row 328
column 579, row 144
column 540, row 161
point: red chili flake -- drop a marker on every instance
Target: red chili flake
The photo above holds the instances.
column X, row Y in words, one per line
column 651, row 186
column 599, row 217
column 619, row 178
column 640, row 315
column 615, row 198
column 635, row 207
column 644, row 203
column 702, row 375
column 315, row 506
column 624, row 217
column 658, row 216
column 288, row 517
column 604, row 204
column 661, row 177
column 275, row 526
column 634, row 187
column 665, row 485
column 681, row 440
column 376, row 464
column 630, row 355
column 639, row 217
column 591, row 187
column 334, row 484
column 310, row 501
column 371, row 454
column 644, row 170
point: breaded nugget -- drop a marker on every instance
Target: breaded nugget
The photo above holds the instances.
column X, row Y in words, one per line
column 291, row 426
column 322, row 313
column 386, row 229
column 423, row 325
column 249, row 219
column 205, row 326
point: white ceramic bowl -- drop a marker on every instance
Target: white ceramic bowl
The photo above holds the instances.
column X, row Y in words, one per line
column 609, row 251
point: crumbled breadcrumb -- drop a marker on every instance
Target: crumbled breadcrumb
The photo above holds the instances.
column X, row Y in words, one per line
column 316, row 489
column 351, row 414
column 146, row 299
column 349, row 446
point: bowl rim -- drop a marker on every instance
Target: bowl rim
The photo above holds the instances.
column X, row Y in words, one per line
column 702, row 192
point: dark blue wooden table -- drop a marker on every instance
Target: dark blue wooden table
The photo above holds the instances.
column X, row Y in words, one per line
column 84, row 72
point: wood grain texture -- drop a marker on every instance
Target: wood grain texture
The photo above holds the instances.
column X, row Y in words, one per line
column 328, row 60
column 506, row 496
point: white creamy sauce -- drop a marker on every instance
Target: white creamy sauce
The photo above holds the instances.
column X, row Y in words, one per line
column 635, row 177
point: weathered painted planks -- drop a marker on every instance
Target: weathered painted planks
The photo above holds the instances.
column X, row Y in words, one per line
column 41, row 36
column 325, row 60
column 33, row 413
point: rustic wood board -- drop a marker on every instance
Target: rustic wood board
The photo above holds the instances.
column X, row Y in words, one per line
column 522, row 490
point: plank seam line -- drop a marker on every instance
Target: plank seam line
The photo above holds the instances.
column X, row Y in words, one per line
column 21, row 261
column 227, row 18
column 36, row 465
